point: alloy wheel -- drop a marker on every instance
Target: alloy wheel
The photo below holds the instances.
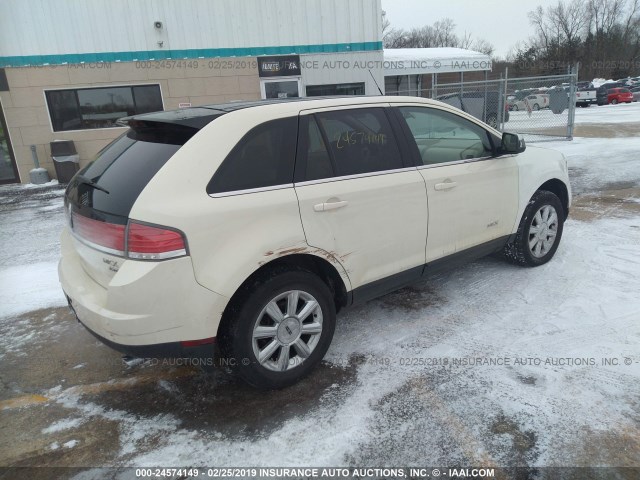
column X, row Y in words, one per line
column 287, row 330
column 543, row 231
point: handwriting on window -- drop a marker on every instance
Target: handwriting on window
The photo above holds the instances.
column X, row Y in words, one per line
column 354, row 137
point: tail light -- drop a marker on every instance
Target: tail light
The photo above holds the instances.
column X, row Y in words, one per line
column 107, row 237
column 134, row 240
column 145, row 242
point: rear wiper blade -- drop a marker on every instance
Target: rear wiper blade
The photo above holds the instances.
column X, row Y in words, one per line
column 87, row 181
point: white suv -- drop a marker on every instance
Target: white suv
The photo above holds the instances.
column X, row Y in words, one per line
column 243, row 228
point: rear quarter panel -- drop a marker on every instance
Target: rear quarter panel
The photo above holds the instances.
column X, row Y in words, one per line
column 228, row 237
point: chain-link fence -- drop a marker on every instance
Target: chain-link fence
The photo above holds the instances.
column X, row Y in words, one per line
column 539, row 108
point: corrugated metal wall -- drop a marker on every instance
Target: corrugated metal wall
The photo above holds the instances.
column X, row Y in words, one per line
column 63, row 27
column 334, row 68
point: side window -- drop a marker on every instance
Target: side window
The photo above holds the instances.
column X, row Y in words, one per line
column 443, row 137
column 359, row 141
column 263, row 158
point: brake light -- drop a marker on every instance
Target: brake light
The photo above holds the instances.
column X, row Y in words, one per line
column 154, row 243
column 143, row 242
column 108, row 237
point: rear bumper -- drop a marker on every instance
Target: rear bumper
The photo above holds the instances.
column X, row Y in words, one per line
column 159, row 350
column 155, row 305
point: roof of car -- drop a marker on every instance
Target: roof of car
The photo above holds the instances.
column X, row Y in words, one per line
column 198, row 117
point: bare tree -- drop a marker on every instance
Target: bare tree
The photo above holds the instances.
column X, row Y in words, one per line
column 441, row 34
column 603, row 35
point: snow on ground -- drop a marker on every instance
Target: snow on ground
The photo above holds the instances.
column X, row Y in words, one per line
column 522, row 121
column 28, row 269
column 554, row 325
column 596, row 162
column 622, row 113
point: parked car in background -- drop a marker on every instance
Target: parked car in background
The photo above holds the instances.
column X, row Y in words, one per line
column 246, row 227
column 602, row 93
column 481, row 104
column 585, row 97
column 535, row 102
column 635, row 91
column 619, row 95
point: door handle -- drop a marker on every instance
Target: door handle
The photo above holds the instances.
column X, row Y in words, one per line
column 323, row 207
column 446, row 185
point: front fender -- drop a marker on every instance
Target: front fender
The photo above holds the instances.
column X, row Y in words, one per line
column 536, row 166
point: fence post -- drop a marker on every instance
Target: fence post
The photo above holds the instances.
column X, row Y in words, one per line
column 572, row 100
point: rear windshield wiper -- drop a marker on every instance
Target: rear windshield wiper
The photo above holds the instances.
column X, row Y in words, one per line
column 87, row 181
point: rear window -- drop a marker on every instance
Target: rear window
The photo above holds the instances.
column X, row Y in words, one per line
column 124, row 168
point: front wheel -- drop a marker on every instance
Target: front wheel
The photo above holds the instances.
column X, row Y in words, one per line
column 614, row 101
column 281, row 331
column 536, row 107
column 539, row 231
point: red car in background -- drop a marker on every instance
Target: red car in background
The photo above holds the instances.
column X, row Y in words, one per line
column 619, row 95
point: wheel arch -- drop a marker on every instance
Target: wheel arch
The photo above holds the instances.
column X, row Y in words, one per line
column 559, row 188
column 322, row 267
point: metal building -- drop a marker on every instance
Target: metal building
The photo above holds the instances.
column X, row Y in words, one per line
column 70, row 69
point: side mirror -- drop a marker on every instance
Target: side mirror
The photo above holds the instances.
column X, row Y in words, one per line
column 512, row 143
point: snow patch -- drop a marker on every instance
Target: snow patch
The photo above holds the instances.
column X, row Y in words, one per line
column 29, row 287
column 70, row 444
column 65, row 424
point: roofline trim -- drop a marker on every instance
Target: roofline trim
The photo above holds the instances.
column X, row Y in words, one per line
column 187, row 54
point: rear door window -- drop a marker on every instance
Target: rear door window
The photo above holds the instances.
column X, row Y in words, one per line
column 263, row 158
column 359, row 141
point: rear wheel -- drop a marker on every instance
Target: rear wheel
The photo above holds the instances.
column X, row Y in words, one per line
column 515, row 107
column 536, row 107
column 539, row 231
column 281, row 330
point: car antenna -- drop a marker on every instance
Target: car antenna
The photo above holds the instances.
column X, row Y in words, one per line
column 374, row 81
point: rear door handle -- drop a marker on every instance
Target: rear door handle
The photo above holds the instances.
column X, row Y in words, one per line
column 323, row 207
column 446, row 185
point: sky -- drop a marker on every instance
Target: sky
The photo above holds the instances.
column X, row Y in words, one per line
column 501, row 22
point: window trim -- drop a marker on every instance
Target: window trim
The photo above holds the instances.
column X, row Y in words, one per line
column 234, row 193
column 354, row 176
column 94, row 87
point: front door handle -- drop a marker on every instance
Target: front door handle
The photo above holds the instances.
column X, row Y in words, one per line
column 446, row 185
column 323, row 207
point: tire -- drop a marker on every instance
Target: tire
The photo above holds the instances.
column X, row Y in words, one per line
column 525, row 250
column 492, row 121
column 250, row 331
column 515, row 108
column 614, row 101
column 536, row 107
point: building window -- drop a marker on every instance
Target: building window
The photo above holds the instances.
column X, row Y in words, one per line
column 88, row 108
column 337, row 89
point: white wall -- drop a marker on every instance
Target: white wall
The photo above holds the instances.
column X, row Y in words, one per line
column 334, row 68
column 55, row 27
